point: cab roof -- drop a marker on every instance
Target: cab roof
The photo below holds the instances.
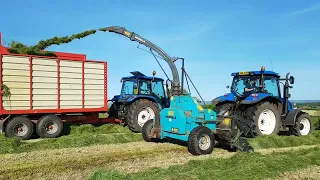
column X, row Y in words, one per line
column 139, row 75
column 252, row 73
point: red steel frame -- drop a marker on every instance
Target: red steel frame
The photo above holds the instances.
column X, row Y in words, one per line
column 60, row 57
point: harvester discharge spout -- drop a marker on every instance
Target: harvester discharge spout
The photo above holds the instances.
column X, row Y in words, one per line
column 135, row 37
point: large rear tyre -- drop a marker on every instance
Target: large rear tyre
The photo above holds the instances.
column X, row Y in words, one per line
column 49, row 126
column 139, row 113
column 303, row 125
column 21, row 127
column 266, row 117
column 227, row 107
column 201, row 141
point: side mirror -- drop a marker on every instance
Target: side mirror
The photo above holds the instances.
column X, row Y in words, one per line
column 291, row 79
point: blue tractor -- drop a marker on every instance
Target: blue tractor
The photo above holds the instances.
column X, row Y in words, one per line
column 182, row 118
column 140, row 99
column 256, row 95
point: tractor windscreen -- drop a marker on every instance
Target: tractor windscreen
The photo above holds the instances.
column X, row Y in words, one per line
column 129, row 87
column 243, row 86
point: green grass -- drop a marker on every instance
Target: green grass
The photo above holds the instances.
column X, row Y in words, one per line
column 287, row 141
column 80, row 136
column 264, row 142
column 88, row 135
column 240, row 166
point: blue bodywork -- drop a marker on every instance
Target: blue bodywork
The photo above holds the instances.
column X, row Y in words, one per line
column 131, row 98
column 136, row 87
column 254, row 97
column 183, row 115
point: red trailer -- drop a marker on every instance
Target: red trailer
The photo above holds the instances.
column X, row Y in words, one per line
column 45, row 91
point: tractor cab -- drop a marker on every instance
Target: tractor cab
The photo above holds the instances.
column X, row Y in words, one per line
column 142, row 85
column 249, row 83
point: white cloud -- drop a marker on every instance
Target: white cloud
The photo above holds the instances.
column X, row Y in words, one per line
column 300, row 12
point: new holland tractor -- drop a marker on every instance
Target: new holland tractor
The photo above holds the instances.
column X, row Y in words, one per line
column 256, row 95
column 140, row 98
column 185, row 120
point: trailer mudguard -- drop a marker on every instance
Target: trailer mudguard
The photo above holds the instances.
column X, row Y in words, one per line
column 292, row 116
column 225, row 97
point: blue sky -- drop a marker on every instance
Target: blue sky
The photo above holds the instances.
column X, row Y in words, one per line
column 215, row 37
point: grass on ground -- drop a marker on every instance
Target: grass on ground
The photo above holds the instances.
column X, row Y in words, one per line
column 80, row 136
column 88, row 135
column 240, row 166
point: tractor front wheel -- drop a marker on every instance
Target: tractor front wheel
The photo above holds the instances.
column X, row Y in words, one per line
column 140, row 112
column 303, row 125
column 201, row 141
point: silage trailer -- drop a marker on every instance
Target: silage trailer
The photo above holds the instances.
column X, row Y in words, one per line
column 45, row 91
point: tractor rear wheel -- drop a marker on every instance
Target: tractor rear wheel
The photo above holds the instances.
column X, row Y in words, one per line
column 201, row 141
column 224, row 107
column 303, row 125
column 140, row 112
column 266, row 117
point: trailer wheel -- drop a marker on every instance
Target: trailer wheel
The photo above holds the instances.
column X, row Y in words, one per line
column 303, row 125
column 146, row 129
column 49, row 126
column 19, row 126
column 140, row 112
column 201, row 141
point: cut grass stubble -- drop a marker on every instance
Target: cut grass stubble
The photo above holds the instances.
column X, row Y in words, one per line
column 240, row 166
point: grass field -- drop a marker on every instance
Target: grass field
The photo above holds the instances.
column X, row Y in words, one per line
column 313, row 112
column 114, row 152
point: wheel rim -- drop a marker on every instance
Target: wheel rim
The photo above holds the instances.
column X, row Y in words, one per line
column 51, row 127
column 304, row 126
column 20, row 129
column 267, row 122
column 204, row 142
column 144, row 115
